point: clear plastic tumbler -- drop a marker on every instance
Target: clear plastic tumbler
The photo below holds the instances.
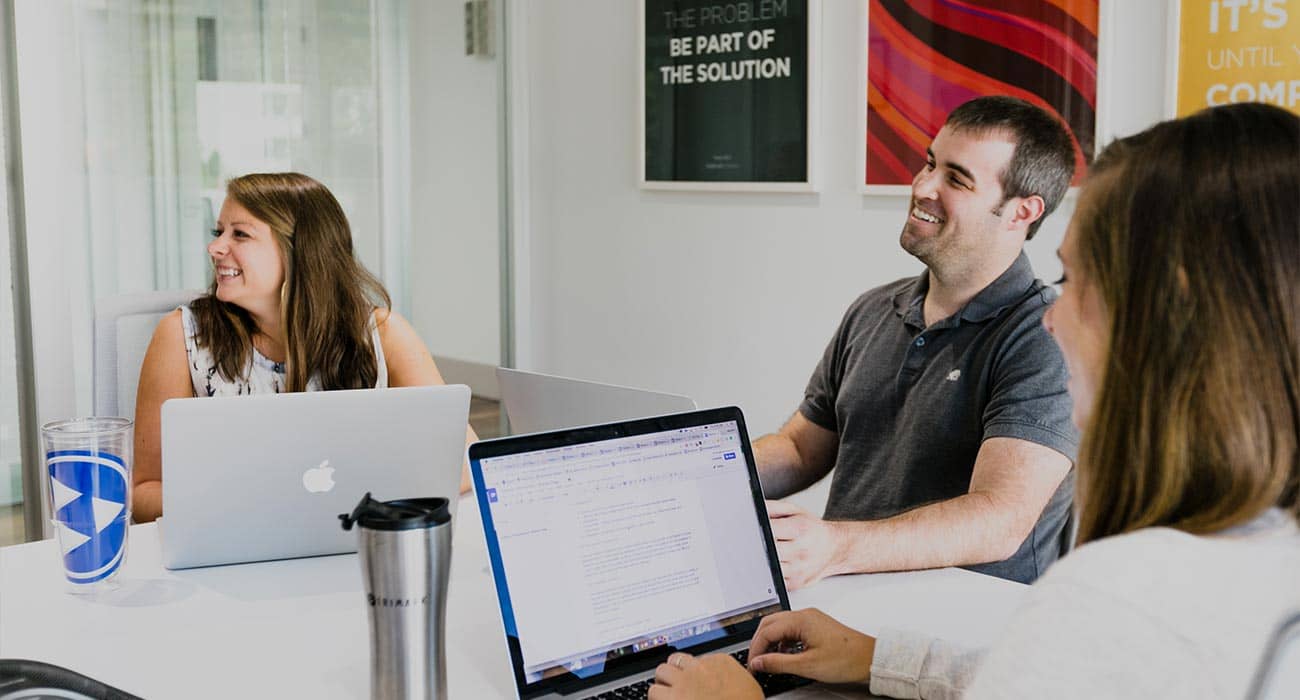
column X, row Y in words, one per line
column 88, row 463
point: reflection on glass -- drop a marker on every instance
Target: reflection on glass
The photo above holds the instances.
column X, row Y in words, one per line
column 151, row 107
column 244, row 128
column 221, row 88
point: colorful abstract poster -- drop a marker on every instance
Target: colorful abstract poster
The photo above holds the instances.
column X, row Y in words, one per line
column 926, row 57
column 1237, row 51
column 726, row 94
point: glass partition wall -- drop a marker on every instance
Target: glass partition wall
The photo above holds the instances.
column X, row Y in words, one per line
column 134, row 113
column 176, row 97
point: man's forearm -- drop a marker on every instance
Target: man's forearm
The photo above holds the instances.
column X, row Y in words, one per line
column 781, row 468
column 970, row 529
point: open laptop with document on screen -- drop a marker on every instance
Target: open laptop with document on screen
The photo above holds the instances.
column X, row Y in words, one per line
column 613, row 546
column 254, row 478
column 536, row 402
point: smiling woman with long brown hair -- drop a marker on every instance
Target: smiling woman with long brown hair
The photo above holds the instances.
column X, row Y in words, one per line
column 290, row 308
column 1179, row 320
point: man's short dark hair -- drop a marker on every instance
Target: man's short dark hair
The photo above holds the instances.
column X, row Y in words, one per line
column 1043, row 161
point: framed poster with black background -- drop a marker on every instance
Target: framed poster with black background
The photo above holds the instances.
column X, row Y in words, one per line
column 727, row 94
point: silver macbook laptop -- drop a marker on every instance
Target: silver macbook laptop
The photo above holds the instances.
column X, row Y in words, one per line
column 536, row 402
column 612, row 546
column 254, row 478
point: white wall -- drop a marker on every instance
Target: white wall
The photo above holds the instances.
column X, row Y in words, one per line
column 729, row 298
column 455, row 259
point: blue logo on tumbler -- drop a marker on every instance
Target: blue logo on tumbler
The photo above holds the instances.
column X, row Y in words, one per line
column 89, row 491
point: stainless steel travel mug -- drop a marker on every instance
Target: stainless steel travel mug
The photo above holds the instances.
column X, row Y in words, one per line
column 405, row 552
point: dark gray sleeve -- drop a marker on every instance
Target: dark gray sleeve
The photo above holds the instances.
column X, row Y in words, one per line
column 1029, row 398
column 824, row 386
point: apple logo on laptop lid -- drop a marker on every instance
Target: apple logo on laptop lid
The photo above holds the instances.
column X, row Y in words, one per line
column 319, row 479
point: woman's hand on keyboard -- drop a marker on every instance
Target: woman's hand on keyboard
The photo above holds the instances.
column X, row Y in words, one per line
column 827, row 650
column 716, row 677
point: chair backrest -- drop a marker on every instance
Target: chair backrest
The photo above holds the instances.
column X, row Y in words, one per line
column 124, row 326
column 1278, row 675
column 20, row 678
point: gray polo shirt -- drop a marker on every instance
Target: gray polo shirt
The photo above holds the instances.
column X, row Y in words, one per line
column 912, row 405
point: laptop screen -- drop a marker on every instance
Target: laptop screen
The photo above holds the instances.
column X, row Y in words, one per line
column 613, row 546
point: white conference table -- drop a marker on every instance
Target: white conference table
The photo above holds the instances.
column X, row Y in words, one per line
column 298, row 628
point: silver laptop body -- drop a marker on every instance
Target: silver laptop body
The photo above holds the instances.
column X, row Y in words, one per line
column 539, row 402
column 255, row 478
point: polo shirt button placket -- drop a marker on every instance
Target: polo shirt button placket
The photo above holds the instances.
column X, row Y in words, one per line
column 912, row 364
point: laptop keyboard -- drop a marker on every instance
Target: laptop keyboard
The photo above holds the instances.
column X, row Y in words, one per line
column 635, row 691
column 771, row 683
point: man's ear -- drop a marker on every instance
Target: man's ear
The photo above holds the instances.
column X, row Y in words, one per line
column 1026, row 211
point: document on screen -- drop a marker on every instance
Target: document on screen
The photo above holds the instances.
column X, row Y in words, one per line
column 604, row 542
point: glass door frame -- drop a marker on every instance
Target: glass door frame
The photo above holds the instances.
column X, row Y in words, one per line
column 32, row 477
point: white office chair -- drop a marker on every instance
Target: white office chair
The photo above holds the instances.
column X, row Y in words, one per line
column 1278, row 675
column 123, row 327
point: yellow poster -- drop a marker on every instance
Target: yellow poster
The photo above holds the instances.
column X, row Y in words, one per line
column 1238, row 51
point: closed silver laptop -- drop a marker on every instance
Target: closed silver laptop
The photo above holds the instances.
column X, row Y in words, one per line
column 255, row 478
column 540, row 402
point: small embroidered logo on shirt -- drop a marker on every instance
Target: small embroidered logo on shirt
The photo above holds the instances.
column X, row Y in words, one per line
column 954, row 375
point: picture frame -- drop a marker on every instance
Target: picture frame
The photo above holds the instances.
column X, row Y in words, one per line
column 948, row 82
column 688, row 134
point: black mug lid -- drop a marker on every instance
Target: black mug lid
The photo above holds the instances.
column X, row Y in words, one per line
column 402, row 514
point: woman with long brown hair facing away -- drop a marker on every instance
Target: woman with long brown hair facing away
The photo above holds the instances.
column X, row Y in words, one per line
column 1179, row 319
column 290, row 309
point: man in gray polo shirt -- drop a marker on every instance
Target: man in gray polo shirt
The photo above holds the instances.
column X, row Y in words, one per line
column 941, row 400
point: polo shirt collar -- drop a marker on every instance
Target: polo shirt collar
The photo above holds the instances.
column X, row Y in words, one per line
column 909, row 301
column 1002, row 292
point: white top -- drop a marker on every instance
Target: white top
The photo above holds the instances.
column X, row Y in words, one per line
column 1155, row 613
column 261, row 376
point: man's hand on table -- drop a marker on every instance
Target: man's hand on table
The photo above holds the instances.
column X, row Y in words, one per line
column 808, row 547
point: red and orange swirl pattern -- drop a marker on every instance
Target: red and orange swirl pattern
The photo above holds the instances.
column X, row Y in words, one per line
column 925, row 57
